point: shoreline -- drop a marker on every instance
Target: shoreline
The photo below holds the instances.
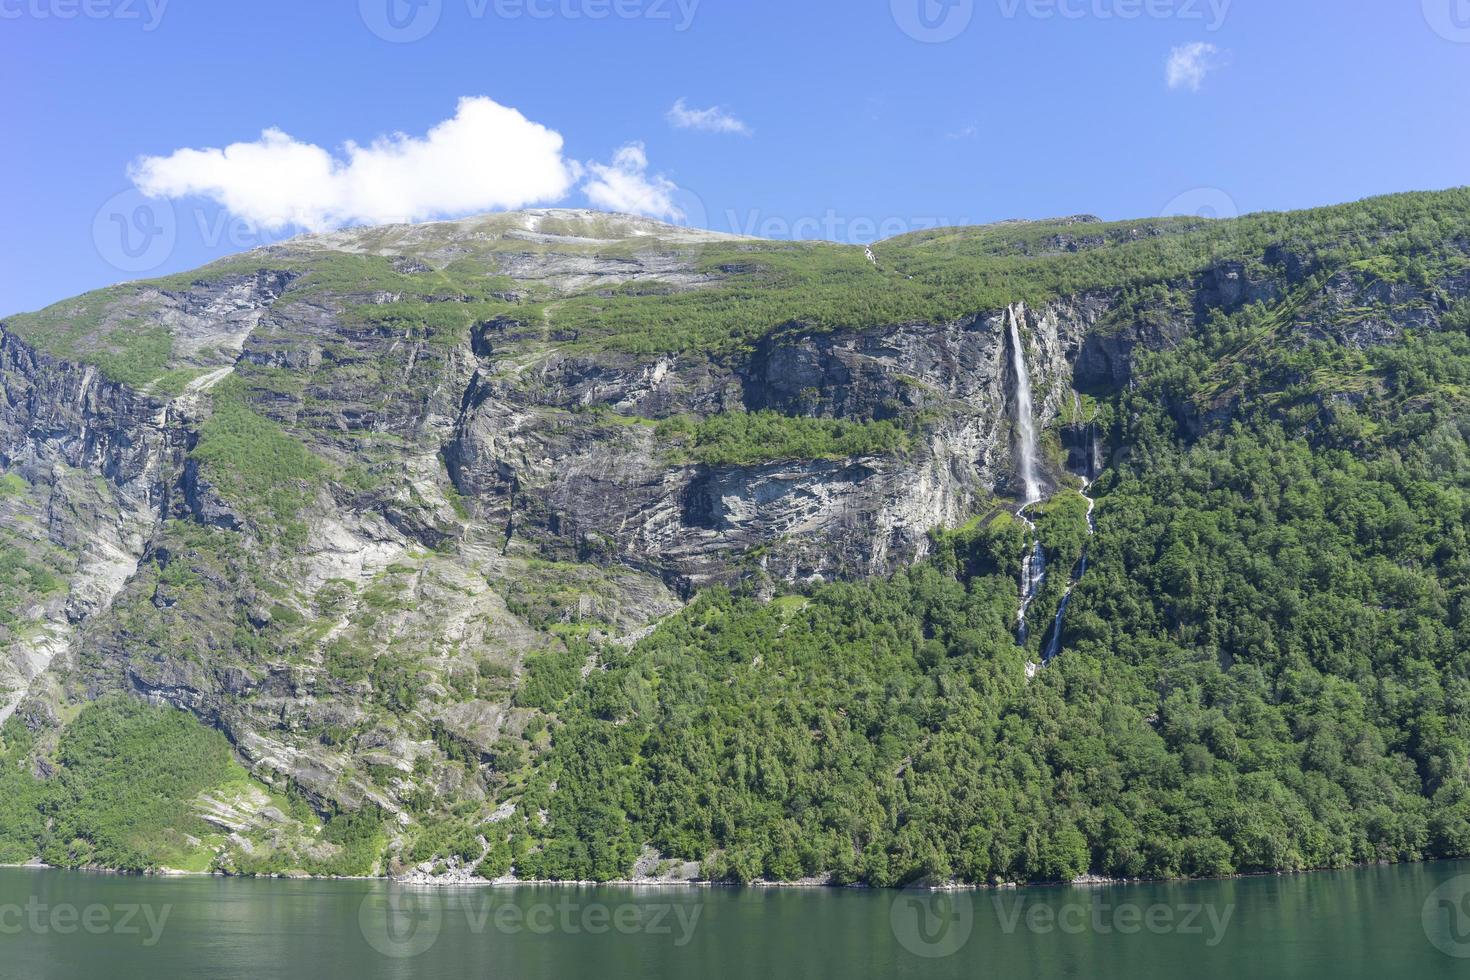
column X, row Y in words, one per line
column 411, row 880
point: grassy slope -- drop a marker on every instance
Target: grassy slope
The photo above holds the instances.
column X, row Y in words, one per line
column 927, row 276
column 125, row 790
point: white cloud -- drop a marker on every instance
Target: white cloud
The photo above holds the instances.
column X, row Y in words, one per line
column 1188, row 65
column 488, row 156
column 626, row 185
column 711, row 120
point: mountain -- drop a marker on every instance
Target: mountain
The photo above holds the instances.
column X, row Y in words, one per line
column 577, row 545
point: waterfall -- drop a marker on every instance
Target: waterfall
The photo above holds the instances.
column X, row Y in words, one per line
column 1054, row 644
column 1088, row 461
column 1025, row 415
column 1033, row 574
column 1033, row 566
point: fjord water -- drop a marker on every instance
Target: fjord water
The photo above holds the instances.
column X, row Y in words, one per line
column 1369, row 922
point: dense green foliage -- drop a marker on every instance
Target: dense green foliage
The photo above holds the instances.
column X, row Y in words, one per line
column 946, row 274
column 751, row 438
column 1266, row 665
column 22, row 823
column 123, row 791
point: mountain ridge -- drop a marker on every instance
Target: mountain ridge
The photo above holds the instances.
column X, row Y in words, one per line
column 391, row 508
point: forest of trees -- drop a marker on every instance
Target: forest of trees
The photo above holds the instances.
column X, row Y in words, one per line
column 1266, row 667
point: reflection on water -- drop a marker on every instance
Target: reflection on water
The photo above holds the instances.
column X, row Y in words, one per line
column 1373, row 922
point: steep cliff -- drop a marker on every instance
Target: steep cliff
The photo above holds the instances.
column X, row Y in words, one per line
column 359, row 499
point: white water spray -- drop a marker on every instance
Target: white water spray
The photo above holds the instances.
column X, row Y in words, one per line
column 1054, row 645
column 1033, row 574
column 1033, row 566
column 1025, row 415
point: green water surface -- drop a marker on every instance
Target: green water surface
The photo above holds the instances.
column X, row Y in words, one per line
column 1408, row 921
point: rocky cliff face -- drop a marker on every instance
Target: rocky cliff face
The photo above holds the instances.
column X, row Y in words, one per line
column 93, row 458
column 509, row 442
column 458, row 497
column 382, row 477
column 604, row 487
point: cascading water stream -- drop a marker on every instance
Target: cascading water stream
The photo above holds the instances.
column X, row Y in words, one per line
column 1033, row 566
column 1025, row 415
column 1054, row 644
column 1033, row 574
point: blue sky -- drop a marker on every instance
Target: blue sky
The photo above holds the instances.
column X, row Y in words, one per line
column 859, row 118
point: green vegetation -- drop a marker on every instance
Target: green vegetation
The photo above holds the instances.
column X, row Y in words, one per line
column 752, row 438
column 947, row 274
column 109, row 328
column 255, row 465
column 138, row 357
column 1267, row 665
column 125, row 794
column 119, row 330
column 552, row 676
column 351, row 845
column 25, row 577
column 127, row 780
column 764, row 286
column 436, row 305
column 460, row 836
column 122, row 796
column 759, row 288
column 22, row 820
